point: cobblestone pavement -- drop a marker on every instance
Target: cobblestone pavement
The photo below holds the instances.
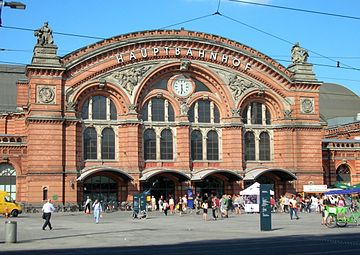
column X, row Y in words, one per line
column 117, row 233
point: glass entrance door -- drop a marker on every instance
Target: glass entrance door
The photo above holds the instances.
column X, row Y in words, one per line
column 102, row 188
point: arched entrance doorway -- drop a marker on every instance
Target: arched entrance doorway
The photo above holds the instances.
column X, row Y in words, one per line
column 163, row 182
column 99, row 187
column 8, row 179
column 104, row 183
column 215, row 182
column 343, row 174
column 210, row 186
column 279, row 179
column 160, row 186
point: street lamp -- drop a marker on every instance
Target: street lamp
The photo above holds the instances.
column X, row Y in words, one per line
column 12, row 5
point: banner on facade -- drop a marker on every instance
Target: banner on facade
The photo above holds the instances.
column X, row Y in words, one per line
column 315, row 188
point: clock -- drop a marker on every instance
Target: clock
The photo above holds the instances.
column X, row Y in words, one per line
column 182, row 86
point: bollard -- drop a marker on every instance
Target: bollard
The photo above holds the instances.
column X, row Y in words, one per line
column 10, row 231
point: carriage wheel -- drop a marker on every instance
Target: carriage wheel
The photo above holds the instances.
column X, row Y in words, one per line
column 331, row 221
column 341, row 220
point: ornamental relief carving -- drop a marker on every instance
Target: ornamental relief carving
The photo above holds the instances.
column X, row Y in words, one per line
column 307, row 105
column 45, row 94
column 128, row 79
column 237, row 84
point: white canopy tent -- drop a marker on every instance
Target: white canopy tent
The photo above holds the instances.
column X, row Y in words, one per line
column 254, row 190
column 251, row 197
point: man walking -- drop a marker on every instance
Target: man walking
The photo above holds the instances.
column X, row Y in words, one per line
column 47, row 209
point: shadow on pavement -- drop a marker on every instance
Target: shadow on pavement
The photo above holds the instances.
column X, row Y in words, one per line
column 298, row 244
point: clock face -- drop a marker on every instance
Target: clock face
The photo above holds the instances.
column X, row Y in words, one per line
column 182, row 87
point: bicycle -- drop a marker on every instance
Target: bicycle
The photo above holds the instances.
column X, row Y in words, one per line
column 341, row 216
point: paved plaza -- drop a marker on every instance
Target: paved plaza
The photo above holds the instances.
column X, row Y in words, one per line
column 117, row 233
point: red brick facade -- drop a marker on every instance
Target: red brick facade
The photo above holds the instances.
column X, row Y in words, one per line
column 48, row 151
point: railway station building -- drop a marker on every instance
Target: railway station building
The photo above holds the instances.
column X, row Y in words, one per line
column 170, row 110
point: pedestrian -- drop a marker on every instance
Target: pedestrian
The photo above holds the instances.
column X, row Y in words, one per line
column 88, row 205
column 205, row 207
column 293, row 208
column 171, row 204
column 197, row 203
column 286, row 204
column 165, row 207
column 214, row 207
column 47, row 209
column 97, row 210
column 324, row 211
column 153, row 203
column 180, row 205
column 237, row 204
column 161, row 202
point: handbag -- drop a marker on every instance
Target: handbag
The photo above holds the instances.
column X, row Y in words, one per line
column 43, row 216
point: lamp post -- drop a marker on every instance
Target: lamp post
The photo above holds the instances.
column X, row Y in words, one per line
column 12, row 5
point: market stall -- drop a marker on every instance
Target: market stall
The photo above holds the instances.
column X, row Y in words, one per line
column 251, row 196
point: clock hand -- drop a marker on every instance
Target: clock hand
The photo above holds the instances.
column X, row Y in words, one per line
column 181, row 91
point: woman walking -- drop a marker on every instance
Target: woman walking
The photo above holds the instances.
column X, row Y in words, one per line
column 205, row 207
column 97, row 210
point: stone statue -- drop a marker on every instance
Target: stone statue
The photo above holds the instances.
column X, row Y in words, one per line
column 298, row 54
column 44, row 35
column 184, row 65
column 184, row 108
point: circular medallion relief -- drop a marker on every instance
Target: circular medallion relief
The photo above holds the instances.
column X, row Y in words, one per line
column 307, row 105
column 46, row 95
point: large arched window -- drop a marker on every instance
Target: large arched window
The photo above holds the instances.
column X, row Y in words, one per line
column 90, row 143
column 196, row 145
column 212, row 146
column 157, row 109
column 256, row 113
column 343, row 174
column 8, row 179
column 264, row 146
column 99, row 108
column 249, row 146
column 204, row 111
column 166, row 144
column 149, row 144
column 108, row 144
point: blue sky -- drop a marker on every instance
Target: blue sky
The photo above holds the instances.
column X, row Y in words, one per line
column 333, row 37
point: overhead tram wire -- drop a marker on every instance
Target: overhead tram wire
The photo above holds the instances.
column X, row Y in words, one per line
column 286, row 41
column 187, row 21
column 202, row 17
column 57, row 33
column 297, row 9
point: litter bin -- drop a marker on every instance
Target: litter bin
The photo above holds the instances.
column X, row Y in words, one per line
column 10, row 231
